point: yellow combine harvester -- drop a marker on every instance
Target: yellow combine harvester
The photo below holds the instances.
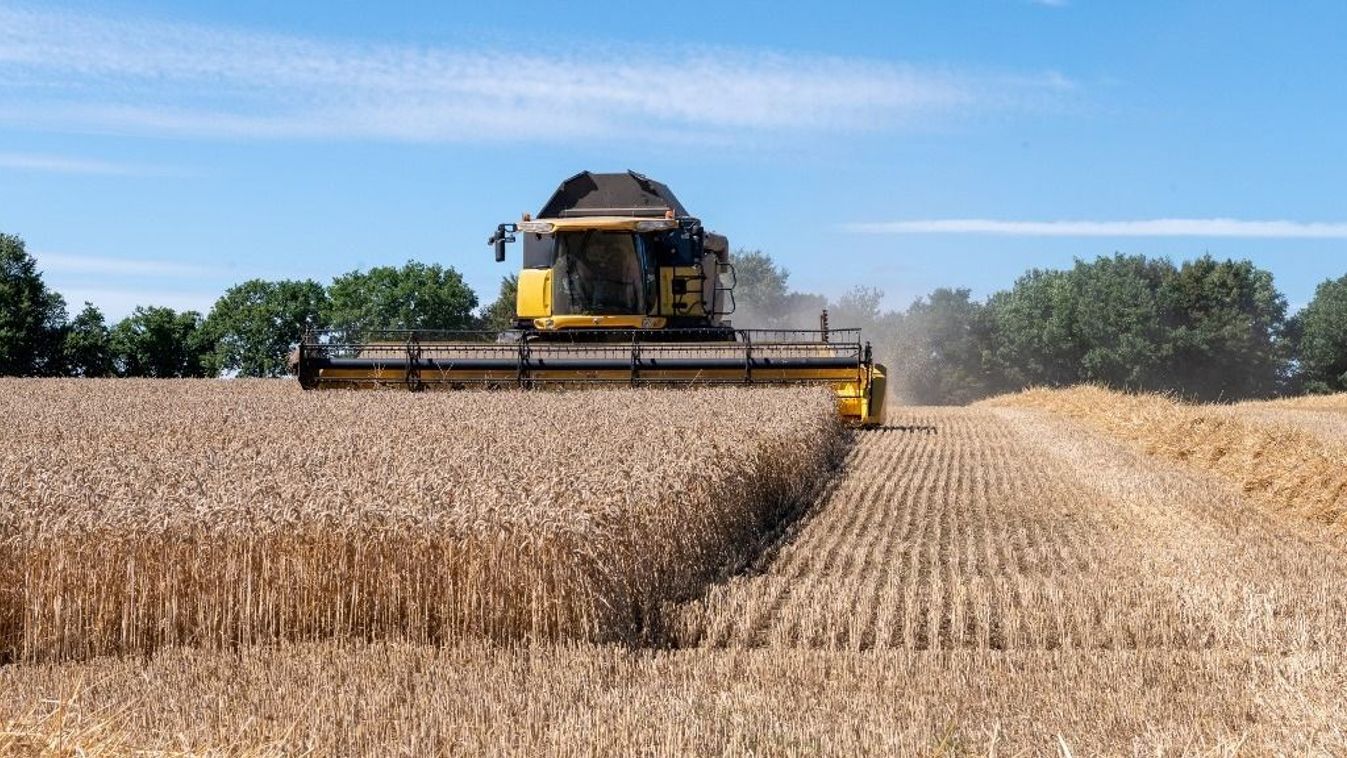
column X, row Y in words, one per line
column 619, row 285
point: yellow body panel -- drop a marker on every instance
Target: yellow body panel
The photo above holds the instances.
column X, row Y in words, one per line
column 534, row 298
column 873, row 413
column 689, row 302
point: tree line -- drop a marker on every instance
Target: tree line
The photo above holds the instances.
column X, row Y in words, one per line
column 1206, row 329
column 250, row 330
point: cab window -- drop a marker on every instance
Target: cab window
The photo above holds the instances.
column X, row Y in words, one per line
column 597, row 272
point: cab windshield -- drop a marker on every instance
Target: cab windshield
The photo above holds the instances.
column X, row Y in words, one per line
column 599, row 273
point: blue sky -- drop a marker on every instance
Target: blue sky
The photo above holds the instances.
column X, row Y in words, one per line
column 157, row 152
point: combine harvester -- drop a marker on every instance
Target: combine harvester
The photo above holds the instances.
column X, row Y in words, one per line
column 619, row 286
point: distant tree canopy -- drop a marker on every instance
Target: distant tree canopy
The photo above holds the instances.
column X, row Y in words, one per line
column 1226, row 325
column 413, row 296
column 763, row 298
column 1208, row 329
column 1031, row 339
column 88, row 344
column 160, row 343
column 937, row 349
column 249, row 332
column 761, row 293
column 254, row 325
column 859, row 307
column 1322, row 332
column 32, row 317
column 1113, row 316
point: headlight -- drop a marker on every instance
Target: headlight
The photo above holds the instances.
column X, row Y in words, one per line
column 655, row 226
column 536, row 227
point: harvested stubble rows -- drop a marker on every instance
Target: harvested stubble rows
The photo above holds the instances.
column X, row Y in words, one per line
column 1006, row 529
column 144, row 514
column 978, row 580
column 1286, row 464
column 387, row 699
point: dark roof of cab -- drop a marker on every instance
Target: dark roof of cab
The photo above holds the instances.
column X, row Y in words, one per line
column 623, row 194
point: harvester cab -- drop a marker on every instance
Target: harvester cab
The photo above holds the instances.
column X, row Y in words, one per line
column 618, row 251
column 619, row 285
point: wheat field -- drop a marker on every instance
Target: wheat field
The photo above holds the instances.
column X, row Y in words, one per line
column 1020, row 577
column 142, row 514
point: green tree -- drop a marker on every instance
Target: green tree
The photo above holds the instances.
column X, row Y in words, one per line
column 88, row 344
column 1032, row 339
column 1117, row 321
column 1209, row 330
column 499, row 316
column 254, row 325
column 762, row 297
column 1227, row 324
column 1322, row 348
column 32, row 317
column 159, row 342
column 413, row 296
column 1101, row 321
column 941, row 342
column 800, row 310
column 859, row 308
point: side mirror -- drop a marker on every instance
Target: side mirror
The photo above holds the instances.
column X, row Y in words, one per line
column 504, row 234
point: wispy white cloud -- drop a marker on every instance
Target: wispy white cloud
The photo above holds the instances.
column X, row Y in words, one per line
column 65, row 164
column 1163, row 227
column 59, row 263
column 78, row 72
column 1051, row 3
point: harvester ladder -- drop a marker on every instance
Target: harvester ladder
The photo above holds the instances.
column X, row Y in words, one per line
column 414, row 363
column 748, row 358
